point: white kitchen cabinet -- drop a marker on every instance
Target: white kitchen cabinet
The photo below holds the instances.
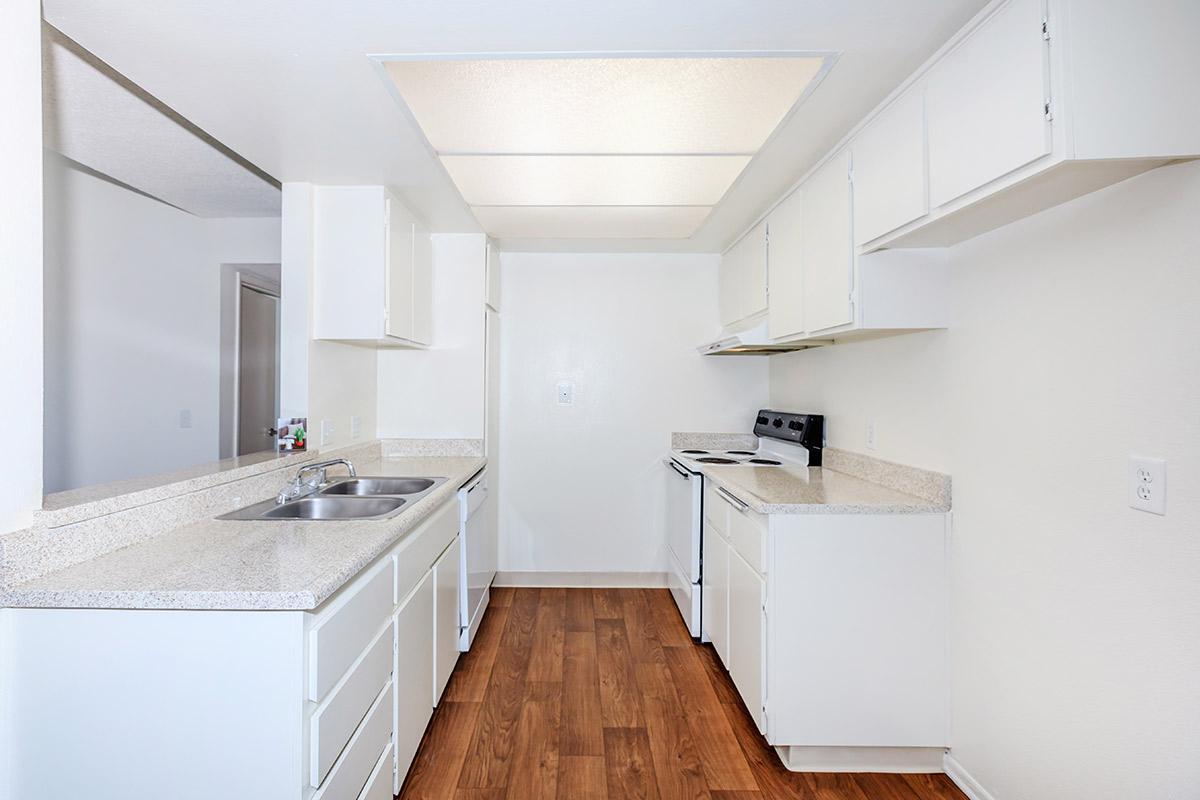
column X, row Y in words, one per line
column 715, row 589
column 785, row 316
column 986, row 102
column 372, row 269
column 447, row 616
column 414, row 673
column 747, row 634
column 742, row 277
column 889, row 171
column 492, row 280
column 827, row 253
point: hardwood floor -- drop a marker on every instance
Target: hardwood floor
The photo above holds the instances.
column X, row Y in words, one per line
column 602, row 695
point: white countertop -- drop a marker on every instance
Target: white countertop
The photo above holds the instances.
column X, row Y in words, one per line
column 242, row 565
column 813, row 490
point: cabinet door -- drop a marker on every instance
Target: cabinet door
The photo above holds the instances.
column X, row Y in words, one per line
column 985, row 103
column 413, row 673
column 827, row 254
column 422, row 285
column 715, row 597
column 786, row 313
column 729, row 297
column 399, row 295
column 747, row 634
column 754, row 271
column 889, row 169
column 492, row 277
column 446, row 614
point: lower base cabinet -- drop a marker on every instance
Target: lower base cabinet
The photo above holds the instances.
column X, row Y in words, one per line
column 833, row 629
column 329, row 704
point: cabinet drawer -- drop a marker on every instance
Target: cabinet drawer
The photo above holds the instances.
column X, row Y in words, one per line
column 748, row 534
column 416, row 556
column 716, row 509
column 342, row 630
column 379, row 785
column 354, row 768
column 335, row 720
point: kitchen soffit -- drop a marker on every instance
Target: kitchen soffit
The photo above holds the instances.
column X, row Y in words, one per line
column 609, row 146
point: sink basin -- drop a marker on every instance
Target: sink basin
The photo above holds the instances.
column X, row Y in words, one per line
column 377, row 486
column 335, row 508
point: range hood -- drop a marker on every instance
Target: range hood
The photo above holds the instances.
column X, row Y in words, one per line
column 752, row 338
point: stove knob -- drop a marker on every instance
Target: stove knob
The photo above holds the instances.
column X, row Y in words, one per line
column 777, row 422
column 762, row 420
column 794, row 425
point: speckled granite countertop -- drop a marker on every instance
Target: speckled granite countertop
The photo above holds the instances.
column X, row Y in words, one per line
column 240, row 565
column 849, row 483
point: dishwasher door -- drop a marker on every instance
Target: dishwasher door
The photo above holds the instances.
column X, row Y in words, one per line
column 479, row 555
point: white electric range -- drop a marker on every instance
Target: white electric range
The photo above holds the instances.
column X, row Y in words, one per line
column 784, row 439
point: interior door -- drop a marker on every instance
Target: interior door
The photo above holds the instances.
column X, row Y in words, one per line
column 985, row 103
column 258, row 369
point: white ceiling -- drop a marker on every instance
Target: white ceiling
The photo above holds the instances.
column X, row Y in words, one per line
column 94, row 119
column 290, row 86
column 596, row 131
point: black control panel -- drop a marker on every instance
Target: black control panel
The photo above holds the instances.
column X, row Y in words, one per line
column 802, row 429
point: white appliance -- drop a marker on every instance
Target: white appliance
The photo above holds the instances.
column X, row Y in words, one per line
column 685, row 492
column 478, row 560
column 752, row 337
column 785, row 440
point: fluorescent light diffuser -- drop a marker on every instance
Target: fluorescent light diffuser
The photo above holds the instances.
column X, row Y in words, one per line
column 591, row 222
column 593, row 180
column 602, row 105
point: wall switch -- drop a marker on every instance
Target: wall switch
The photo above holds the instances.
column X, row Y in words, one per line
column 185, row 418
column 1148, row 484
column 326, row 431
column 566, row 393
column 871, row 435
column 355, row 427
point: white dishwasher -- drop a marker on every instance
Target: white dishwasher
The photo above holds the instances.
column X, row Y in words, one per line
column 479, row 554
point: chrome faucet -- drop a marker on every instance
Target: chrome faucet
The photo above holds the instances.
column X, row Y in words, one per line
column 301, row 486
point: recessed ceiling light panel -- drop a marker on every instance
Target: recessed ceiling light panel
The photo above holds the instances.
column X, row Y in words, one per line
column 591, row 222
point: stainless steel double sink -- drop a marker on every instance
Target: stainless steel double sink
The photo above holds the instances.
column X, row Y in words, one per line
column 345, row 498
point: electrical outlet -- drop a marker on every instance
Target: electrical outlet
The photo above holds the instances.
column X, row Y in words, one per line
column 355, row 427
column 185, row 418
column 1148, row 484
column 566, row 393
column 326, row 431
column 871, row 435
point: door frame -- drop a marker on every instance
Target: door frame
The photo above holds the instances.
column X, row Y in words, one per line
column 262, row 278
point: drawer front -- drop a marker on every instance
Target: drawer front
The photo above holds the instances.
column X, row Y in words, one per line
column 354, row 768
column 417, row 553
column 748, row 534
column 344, row 629
column 716, row 510
column 379, row 786
column 335, row 720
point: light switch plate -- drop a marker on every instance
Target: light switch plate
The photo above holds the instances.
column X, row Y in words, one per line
column 1148, row 484
column 185, row 418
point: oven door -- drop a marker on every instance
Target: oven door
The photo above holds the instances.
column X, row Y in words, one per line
column 683, row 532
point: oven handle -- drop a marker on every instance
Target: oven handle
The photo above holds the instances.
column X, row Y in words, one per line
column 682, row 473
column 733, row 501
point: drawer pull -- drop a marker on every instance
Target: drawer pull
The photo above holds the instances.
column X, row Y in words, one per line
column 733, row 501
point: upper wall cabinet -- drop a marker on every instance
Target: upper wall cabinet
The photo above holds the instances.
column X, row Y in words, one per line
column 889, row 169
column 987, row 103
column 785, row 315
column 372, row 269
column 827, row 252
column 742, row 279
column 492, row 291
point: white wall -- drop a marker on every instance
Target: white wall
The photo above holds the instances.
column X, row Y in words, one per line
column 583, row 484
column 439, row 393
column 1075, row 342
column 21, row 259
column 132, row 328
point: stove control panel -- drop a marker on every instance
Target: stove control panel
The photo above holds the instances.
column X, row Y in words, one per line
column 803, row 429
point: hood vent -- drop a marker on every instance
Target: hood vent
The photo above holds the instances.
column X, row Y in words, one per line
column 753, row 339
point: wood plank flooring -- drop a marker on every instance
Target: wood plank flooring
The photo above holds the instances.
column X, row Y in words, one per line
column 602, row 695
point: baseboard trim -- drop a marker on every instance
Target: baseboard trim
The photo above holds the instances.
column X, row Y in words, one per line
column 916, row 760
column 584, row 580
column 963, row 780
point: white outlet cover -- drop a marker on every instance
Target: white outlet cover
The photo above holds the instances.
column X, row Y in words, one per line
column 355, row 427
column 326, row 431
column 1148, row 484
column 185, row 418
column 871, row 435
column 566, row 393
